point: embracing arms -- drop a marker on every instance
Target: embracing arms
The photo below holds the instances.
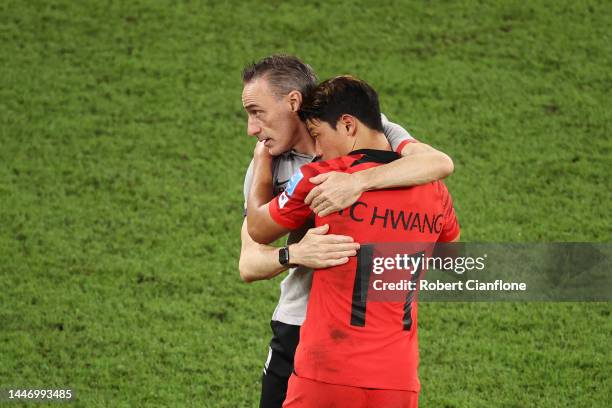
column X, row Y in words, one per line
column 420, row 164
column 315, row 250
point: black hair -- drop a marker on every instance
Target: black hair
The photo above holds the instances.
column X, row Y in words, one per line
column 342, row 95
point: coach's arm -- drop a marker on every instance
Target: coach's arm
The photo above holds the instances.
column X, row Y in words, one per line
column 257, row 261
column 261, row 227
column 316, row 250
column 420, row 164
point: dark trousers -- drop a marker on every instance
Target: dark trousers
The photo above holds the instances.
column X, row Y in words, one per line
column 279, row 365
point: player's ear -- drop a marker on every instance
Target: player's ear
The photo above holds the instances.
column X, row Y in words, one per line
column 295, row 100
column 349, row 124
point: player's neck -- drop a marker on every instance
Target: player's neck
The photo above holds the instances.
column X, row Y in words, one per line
column 305, row 143
column 371, row 139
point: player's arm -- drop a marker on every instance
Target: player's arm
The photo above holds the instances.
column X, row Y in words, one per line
column 451, row 231
column 420, row 164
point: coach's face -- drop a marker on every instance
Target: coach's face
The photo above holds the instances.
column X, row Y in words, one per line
column 330, row 142
column 272, row 119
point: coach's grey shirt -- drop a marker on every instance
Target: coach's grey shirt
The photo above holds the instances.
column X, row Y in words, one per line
column 294, row 289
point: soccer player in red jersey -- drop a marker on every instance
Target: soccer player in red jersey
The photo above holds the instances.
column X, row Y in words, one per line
column 353, row 354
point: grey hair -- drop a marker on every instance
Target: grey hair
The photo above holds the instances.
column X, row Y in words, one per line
column 285, row 73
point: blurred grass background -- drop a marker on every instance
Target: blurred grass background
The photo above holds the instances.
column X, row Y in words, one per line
column 123, row 150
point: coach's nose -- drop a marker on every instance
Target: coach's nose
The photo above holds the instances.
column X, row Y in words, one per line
column 253, row 127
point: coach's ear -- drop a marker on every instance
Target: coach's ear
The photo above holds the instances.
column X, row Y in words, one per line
column 295, row 100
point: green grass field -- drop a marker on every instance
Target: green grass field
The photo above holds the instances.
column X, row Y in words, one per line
column 123, row 147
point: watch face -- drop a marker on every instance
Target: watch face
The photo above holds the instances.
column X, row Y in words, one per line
column 283, row 256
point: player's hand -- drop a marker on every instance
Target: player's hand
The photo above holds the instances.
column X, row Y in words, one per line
column 335, row 191
column 317, row 250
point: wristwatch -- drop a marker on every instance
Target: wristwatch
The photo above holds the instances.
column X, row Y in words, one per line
column 283, row 256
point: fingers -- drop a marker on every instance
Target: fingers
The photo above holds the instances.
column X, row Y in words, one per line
column 316, row 200
column 335, row 239
column 348, row 247
column 326, row 206
column 333, row 262
column 342, row 254
column 336, row 258
column 317, row 190
column 312, row 194
column 320, row 178
column 320, row 230
column 328, row 210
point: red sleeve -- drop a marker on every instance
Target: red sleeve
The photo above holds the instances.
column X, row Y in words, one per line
column 288, row 208
column 450, row 229
column 400, row 146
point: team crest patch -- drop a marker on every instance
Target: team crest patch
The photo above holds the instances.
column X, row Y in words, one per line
column 283, row 199
column 295, row 179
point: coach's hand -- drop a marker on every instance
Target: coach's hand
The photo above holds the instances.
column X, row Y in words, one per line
column 335, row 191
column 261, row 152
column 317, row 250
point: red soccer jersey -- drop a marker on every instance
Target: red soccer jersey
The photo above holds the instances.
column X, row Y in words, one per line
column 334, row 347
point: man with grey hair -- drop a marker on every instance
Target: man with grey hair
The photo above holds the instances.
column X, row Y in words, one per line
column 272, row 95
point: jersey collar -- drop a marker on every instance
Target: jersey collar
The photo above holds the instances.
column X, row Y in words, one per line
column 298, row 154
column 372, row 155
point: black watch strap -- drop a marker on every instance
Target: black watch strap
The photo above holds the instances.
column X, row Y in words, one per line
column 283, row 256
